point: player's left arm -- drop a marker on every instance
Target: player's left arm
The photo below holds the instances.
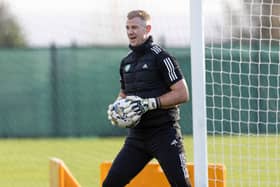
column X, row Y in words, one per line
column 179, row 93
column 174, row 79
column 172, row 76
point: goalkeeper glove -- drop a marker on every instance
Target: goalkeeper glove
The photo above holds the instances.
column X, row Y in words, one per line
column 118, row 116
column 140, row 105
column 112, row 116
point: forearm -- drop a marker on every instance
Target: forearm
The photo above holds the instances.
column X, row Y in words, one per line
column 171, row 99
column 179, row 94
column 121, row 94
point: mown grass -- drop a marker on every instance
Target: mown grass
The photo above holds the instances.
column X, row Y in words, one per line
column 250, row 161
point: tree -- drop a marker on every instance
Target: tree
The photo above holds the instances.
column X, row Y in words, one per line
column 254, row 20
column 270, row 20
column 265, row 18
column 10, row 32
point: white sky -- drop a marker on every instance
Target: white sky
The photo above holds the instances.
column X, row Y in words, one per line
column 101, row 21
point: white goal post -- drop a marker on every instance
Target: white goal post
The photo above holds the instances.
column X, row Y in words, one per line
column 198, row 94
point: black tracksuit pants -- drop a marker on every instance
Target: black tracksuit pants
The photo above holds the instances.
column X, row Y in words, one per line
column 140, row 147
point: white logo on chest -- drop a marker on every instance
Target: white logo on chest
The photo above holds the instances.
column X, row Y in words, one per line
column 127, row 67
column 145, row 66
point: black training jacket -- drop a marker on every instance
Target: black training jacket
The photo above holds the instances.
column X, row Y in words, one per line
column 149, row 71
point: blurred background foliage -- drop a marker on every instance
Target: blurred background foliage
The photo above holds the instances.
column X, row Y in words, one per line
column 11, row 34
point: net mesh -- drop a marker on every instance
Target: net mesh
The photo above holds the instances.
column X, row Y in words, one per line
column 242, row 93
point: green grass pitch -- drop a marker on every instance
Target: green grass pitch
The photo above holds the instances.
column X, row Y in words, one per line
column 25, row 162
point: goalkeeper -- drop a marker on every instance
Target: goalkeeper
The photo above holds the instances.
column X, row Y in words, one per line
column 152, row 87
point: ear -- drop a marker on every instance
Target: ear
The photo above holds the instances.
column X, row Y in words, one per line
column 148, row 28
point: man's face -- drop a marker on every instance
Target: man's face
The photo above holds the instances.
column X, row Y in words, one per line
column 137, row 31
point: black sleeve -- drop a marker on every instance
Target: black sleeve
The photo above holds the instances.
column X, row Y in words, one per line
column 121, row 75
column 169, row 68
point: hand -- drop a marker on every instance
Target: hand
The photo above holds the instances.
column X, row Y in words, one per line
column 112, row 115
column 119, row 118
column 140, row 105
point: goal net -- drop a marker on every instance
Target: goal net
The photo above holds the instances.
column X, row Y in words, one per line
column 243, row 91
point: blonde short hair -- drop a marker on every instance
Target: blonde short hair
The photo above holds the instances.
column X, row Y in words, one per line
column 139, row 13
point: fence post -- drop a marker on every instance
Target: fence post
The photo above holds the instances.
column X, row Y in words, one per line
column 54, row 91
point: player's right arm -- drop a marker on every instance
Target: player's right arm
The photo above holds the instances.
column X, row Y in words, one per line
column 121, row 94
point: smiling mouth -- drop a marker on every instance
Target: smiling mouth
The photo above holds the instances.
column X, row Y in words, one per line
column 132, row 38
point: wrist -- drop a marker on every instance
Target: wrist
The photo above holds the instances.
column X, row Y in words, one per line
column 158, row 102
column 153, row 103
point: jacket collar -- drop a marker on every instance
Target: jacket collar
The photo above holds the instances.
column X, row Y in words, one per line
column 143, row 47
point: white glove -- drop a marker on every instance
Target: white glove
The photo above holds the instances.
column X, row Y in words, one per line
column 140, row 105
column 112, row 116
column 118, row 116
